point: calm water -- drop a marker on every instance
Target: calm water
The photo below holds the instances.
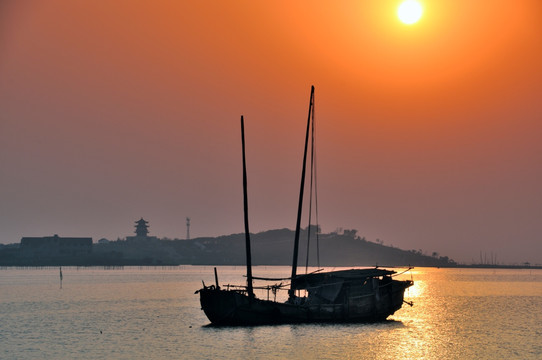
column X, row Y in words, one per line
column 152, row 313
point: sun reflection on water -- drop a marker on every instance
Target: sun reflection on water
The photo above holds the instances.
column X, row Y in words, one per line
column 416, row 290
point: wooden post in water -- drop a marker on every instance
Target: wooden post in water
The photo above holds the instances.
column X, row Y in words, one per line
column 60, row 277
column 216, row 280
column 250, row 290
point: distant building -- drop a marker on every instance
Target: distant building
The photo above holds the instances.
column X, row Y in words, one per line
column 141, row 231
column 142, row 228
column 54, row 246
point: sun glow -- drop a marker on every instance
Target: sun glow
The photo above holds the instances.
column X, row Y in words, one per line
column 410, row 11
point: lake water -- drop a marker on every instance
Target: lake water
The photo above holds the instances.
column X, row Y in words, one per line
column 153, row 313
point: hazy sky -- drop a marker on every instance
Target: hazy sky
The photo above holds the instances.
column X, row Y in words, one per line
column 428, row 136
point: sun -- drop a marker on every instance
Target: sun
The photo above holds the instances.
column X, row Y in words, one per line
column 409, row 12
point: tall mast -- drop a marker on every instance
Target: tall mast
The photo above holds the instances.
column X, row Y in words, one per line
column 247, row 233
column 300, row 206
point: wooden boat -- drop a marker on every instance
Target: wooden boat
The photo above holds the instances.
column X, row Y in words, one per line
column 355, row 295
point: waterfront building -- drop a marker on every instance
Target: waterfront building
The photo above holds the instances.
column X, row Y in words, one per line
column 55, row 246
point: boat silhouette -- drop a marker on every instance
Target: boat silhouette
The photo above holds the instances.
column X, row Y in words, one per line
column 353, row 295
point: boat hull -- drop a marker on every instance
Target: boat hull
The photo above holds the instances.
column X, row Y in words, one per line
column 231, row 307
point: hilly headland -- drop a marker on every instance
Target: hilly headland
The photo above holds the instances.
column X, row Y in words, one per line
column 273, row 247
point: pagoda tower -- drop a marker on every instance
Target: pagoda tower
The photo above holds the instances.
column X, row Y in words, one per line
column 142, row 228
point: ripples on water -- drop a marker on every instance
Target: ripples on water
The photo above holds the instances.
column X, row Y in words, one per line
column 153, row 313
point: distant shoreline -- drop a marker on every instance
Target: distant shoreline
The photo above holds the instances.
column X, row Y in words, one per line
column 271, row 247
column 519, row 267
column 120, row 267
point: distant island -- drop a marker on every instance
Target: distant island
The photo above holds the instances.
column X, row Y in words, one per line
column 273, row 247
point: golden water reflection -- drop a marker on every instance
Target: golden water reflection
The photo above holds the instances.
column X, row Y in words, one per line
column 460, row 314
column 154, row 313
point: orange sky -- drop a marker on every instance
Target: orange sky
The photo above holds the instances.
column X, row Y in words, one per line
column 428, row 135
